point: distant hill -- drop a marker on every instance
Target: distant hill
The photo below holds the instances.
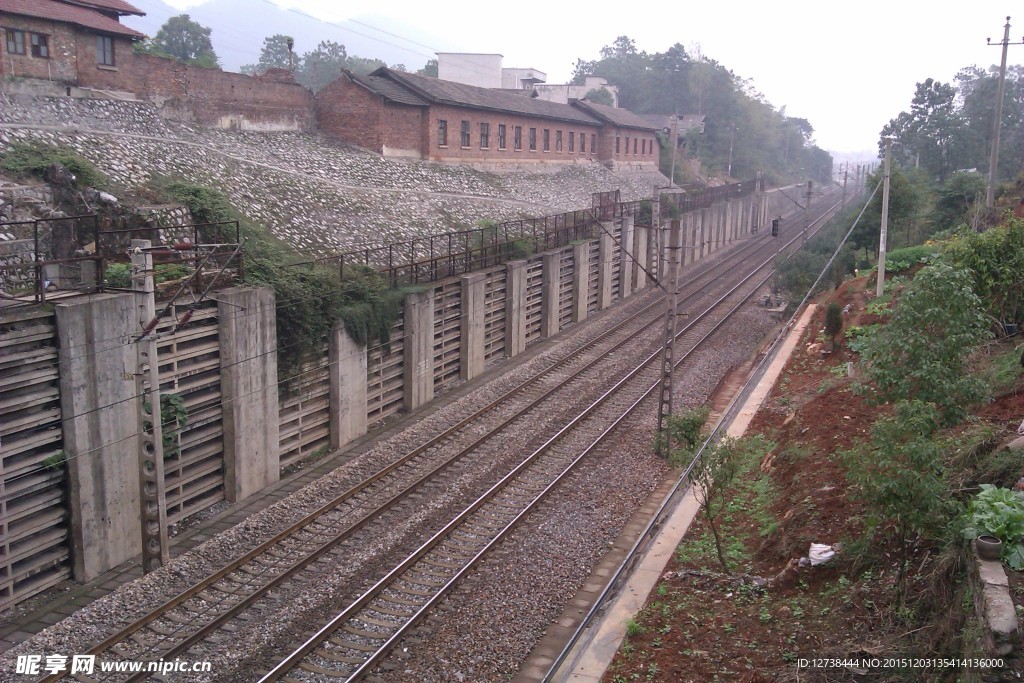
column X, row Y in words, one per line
column 239, row 27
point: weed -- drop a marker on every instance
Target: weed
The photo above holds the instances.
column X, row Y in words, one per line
column 633, row 628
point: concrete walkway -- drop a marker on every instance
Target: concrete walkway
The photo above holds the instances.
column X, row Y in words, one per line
column 594, row 653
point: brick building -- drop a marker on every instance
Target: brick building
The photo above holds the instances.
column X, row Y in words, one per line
column 73, row 43
column 401, row 114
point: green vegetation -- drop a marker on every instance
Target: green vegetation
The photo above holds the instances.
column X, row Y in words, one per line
column 33, row 159
column 999, row 512
column 310, row 296
column 182, row 39
column 922, row 352
column 833, row 322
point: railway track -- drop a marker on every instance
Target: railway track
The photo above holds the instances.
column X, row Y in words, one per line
column 352, row 517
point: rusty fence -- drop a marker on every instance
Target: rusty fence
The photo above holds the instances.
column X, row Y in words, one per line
column 54, row 258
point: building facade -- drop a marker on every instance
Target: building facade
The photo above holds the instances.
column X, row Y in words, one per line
column 73, row 43
column 460, row 122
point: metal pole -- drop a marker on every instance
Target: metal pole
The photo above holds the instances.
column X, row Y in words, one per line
column 993, row 161
column 152, row 494
column 885, row 219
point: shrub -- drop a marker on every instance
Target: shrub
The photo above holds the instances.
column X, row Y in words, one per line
column 32, row 159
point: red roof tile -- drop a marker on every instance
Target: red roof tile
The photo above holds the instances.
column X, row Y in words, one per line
column 70, row 14
column 109, row 6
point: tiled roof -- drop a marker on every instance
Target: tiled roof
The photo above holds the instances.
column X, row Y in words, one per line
column 623, row 118
column 462, row 95
column 70, row 14
column 388, row 89
column 109, row 6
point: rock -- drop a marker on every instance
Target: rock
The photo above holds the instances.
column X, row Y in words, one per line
column 1017, row 444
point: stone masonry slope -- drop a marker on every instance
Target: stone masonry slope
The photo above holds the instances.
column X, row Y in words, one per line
column 319, row 196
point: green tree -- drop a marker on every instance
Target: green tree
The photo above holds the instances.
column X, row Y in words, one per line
column 277, row 53
column 429, row 69
column 712, row 476
column 900, row 479
column 921, row 353
column 322, row 65
column 600, row 96
column 186, row 41
column 995, row 261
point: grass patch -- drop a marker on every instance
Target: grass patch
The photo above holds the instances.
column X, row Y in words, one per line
column 32, row 159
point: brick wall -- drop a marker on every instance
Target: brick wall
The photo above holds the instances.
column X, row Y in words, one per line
column 454, row 116
column 625, row 155
column 62, row 42
column 351, row 113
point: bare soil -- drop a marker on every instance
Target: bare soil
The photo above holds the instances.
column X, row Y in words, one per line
column 759, row 621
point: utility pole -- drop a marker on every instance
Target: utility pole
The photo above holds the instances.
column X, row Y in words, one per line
column 152, row 494
column 807, row 209
column 846, row 175
column 885, row 218
column 667, row 355
column 993, row 160
column 732, row 134
column 674, row 132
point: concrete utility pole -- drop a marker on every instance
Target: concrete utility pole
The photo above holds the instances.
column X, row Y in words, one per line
column 993, row 160
column 807, row 208
column 667, row 356
column 674, row 133
column 732, row 134
column 152, row 494
column 846, row 175
column 885, row 218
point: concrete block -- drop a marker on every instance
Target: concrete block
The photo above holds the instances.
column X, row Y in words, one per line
column 249, row 389
column 640, row 280
column 994, row 607
column 580, row 280
column 471, row 342
column 515, row 308
column 550, row 294
column 348, row 387
column 100, row 443
column 626, row 258
column 604, row 270
column 418, row 360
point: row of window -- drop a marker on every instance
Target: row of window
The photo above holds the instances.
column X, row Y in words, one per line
column 640, row 147
column 39, row 45
column 517, row 137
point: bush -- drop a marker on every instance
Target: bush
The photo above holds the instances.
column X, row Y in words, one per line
column 902, row 260
column 32, row 159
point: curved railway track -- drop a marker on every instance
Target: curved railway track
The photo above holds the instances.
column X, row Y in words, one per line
column 192, row 616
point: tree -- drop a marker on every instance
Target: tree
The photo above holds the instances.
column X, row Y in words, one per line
column 600, row 96
column 275, row 54
column 712, row 476
column 921, row 353
column 833, row 322
column 322, row 65
column 900, row 479
column 429, row 69
column 186, row 41
column 928, row 135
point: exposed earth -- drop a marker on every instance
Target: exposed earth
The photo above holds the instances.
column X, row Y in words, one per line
column 757, row 622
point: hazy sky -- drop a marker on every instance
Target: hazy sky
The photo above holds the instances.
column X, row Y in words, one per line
column 846, row 68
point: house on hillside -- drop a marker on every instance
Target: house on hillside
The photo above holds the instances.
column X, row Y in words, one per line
column 399, row 114
column 80, row 42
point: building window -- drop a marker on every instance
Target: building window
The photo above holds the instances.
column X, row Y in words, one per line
column 517, row 137
column 593, row 143
column 105, row 50
column 501, row 136
column 15, row 42
column 547, row 140
column 442, row 133
column 558, row 141
column 634, row 146
column 583, row 143
column 617, row 145
column 572, row 141
column 485, row 135
column 627, row 144
column 464, row 137
column 40, row 45
column 533, row 139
